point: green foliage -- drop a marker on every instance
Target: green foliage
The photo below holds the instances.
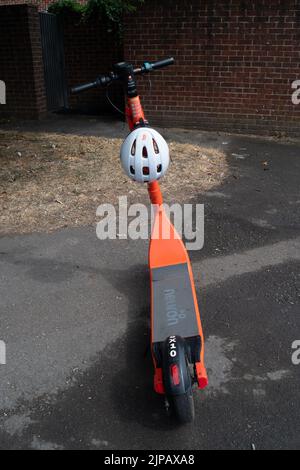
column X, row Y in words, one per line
column 110, row 9
column 107, row 10
column 66, row 6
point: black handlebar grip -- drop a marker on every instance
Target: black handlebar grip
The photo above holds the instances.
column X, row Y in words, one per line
column 163, row 63
column 86, row 86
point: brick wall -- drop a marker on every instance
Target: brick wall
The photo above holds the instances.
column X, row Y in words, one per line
column 90, row 49
column 41, row 4
column 235, row 63
column 21, row 66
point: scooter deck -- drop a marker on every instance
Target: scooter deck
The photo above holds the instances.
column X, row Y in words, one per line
column 173, row 303
column 174, row 306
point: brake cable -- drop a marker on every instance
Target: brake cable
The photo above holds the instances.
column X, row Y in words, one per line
column 109, row 100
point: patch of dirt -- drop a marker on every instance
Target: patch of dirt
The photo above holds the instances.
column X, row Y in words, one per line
column 50, row 181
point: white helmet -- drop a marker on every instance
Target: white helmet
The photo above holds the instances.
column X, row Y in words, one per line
column 145, row 155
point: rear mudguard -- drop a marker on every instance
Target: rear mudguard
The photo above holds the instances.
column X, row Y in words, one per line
column 175, row 370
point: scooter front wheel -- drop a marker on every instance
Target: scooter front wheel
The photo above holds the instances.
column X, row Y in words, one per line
column 182, row 407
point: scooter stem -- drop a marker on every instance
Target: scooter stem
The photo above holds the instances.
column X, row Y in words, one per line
column 155, row 193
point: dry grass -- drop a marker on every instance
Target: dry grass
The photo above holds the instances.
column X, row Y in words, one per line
column 49, row 181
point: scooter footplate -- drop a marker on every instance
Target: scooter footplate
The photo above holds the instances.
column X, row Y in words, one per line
column 174, row 310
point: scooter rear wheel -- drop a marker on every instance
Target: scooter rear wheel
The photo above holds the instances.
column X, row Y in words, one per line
column 182, row 407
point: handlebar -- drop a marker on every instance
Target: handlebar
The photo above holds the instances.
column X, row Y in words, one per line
column 162, row 63
column 86, row 86
column 104, row 80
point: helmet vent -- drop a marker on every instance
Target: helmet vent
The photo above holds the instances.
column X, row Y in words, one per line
column 145, row 170
column 155, row 146
column 145, row 152
column 132, row 170
column 133, row 148
column 159, row 168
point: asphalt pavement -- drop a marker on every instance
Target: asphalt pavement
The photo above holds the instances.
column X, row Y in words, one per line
column 74, row 314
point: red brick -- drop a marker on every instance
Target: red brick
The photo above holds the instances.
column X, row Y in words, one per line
column 234, row 65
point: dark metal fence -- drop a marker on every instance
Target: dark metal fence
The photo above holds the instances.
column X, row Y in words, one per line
column 53, row 58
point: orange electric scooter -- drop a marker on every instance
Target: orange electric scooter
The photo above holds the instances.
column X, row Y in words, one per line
column 177, row 342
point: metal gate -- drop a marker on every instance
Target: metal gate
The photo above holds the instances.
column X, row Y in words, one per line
column 53, row 58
